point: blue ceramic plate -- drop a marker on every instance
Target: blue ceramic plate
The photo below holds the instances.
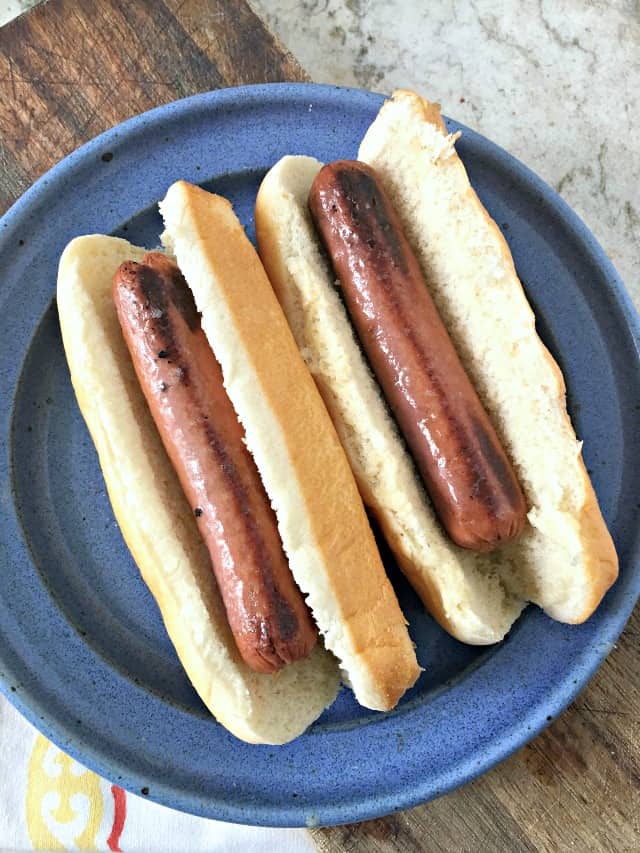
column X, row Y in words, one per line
column 83, row 653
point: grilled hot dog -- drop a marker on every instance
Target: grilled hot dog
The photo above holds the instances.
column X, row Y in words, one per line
column 182, row 383
column 455, row 447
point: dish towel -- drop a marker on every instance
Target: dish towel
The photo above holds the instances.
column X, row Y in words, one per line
column 50, row 802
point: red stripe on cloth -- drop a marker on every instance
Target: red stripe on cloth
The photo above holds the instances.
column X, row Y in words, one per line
column 119, row 815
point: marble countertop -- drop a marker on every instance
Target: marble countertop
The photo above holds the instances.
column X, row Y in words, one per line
column 555, row 82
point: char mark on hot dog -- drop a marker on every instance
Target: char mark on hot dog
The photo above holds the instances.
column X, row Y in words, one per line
column 455, row 447
column 183, row 385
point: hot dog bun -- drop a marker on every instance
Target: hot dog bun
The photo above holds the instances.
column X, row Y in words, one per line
column 568, row 561
column 156, row 520
column 322, row 523
column 468, row 602
column 565, row 561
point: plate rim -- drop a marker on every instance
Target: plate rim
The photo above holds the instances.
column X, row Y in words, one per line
column 369, row 806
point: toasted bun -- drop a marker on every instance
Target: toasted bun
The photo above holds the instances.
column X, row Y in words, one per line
column 321, row 519
column 156, row 520
column 565, row 560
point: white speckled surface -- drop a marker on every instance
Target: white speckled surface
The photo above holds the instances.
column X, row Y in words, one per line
column 11, row 8
column 556, row 82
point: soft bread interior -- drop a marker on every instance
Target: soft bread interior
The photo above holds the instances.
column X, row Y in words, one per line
column 155, row 518
column 566, row 560
column 321, row 519
column 462, row 590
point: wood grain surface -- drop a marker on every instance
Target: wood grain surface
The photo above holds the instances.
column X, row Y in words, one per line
column 71, row 69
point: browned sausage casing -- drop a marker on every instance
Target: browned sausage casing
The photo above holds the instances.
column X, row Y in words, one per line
column 182, row 383
column 465, row 469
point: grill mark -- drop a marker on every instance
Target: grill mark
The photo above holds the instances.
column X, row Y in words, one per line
column 357, row 187
column 472, row 450
column 165, row 284
column 485, row 461
column 373, row 227
column 183, row 300
column 286, row 619
column 151, row 300
column 153, row 290
column 496, row 462
column 162, row 294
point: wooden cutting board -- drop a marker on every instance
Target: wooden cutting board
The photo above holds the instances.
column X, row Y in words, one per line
column 69, row 70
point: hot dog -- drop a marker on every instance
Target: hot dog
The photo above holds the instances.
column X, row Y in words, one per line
column 560, row 555
column 157, row 522
column 218, row 452
column 467, row 473
column 322, row 523
column 183, row 386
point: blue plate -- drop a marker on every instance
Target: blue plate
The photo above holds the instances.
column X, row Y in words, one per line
column 84, row 655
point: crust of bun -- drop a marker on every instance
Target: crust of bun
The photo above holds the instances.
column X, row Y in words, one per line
column 156, row 521
column 323, row 526
column 568, row 560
